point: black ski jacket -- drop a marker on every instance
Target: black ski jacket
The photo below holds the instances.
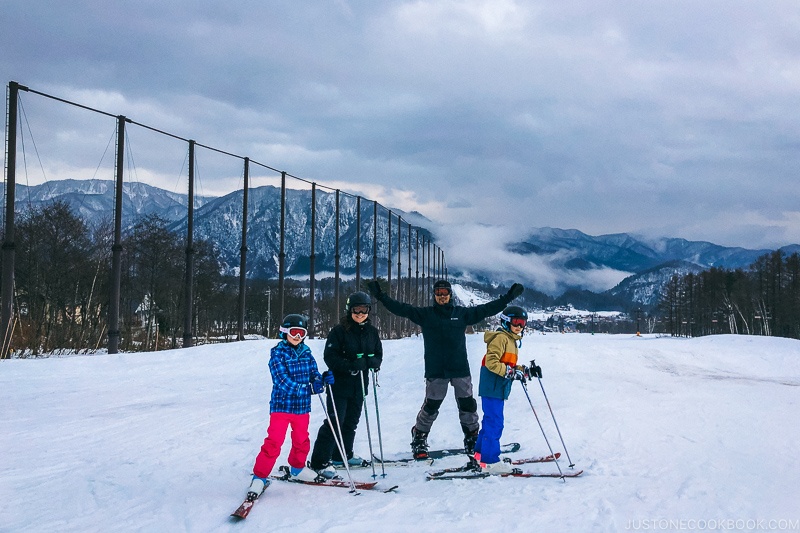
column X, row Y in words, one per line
column 345, row 341
column 444, row 329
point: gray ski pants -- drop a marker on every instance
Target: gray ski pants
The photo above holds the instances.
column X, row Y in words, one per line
column 435, row 392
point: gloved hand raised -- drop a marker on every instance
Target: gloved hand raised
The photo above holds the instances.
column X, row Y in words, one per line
column 515, row 290
column 327, row 377
column 374, row 288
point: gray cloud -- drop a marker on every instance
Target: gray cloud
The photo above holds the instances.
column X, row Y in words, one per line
column 671, row 118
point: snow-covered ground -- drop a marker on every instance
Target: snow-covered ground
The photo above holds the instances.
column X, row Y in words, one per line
column 673, row 434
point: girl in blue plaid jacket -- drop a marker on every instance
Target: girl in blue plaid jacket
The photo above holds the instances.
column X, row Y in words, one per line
column 295, row 378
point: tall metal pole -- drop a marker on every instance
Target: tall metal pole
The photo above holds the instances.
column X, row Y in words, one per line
column 423, row 294
column 416, row 259
column 428, row 285
column 399, row 258
column 281, row 252
column 358, row 243
column 375, row 239
column 188, row 330
column 243, row 252
column 9, row 253
column 390, row 317
column 337, row 257
column 269, row 311
column 312, row 261
column 399, row 322
column 116, row 248
column 409, row 298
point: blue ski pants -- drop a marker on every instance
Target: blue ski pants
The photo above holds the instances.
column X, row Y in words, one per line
column 488, row 444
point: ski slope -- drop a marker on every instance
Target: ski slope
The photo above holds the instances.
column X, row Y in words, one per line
column 673, row 434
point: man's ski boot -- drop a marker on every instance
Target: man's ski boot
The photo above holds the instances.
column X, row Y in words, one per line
column 419, row 444
column 470, row 438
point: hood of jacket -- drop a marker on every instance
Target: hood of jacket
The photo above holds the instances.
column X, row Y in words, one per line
column 490, row 335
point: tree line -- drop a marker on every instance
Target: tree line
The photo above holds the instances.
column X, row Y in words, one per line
column 62, row 289
column 761, row 300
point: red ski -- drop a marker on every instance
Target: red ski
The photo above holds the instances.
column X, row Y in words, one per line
column 244, row 509
column 472, row 474
column 322, row 482
column 544, row 459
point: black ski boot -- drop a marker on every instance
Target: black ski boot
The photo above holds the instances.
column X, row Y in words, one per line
column 419, row 444
column 470, row 438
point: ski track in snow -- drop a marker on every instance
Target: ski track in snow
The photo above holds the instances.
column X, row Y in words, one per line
column 664, row 428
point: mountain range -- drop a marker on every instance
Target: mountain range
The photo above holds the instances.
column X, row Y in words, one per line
column 649, row 262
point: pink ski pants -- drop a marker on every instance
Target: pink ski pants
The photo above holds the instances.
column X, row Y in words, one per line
column 276, row 435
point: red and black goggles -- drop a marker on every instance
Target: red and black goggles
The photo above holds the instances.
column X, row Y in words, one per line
column 295, row 331
column 518, row 321
column 441, row 291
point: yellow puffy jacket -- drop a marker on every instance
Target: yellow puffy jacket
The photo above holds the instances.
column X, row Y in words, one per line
column 501, row 351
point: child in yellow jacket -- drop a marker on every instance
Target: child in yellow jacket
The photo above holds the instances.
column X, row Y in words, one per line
column 499, row 369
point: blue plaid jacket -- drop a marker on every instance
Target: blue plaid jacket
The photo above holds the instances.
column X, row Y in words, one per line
column 292, row 369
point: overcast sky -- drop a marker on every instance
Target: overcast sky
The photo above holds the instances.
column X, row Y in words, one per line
column 673, row 118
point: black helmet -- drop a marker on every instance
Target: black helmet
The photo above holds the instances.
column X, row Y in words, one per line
column 511, row 312
column 357, row 298
column 293, row 321
column 442, row 284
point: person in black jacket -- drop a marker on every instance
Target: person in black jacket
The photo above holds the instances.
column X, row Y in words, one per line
column 353, row 347
column 444, row 327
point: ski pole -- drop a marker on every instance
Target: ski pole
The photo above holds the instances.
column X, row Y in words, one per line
column 378, row 417
column 525, row 388
column 571, row 464
column 336, row 439
column 366, row 419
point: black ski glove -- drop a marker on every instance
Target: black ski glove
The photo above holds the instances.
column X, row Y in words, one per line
column 374, row 288
column 515, row 290
column 372, row 362
column 534, row 371
column 360, row 364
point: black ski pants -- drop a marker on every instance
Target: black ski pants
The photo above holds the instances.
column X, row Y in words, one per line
column 349, row 410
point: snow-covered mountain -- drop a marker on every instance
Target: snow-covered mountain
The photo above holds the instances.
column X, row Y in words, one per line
column 93, row 200
column 651, row 262
column 645, row 287
column 219, row 220
column 629, row 253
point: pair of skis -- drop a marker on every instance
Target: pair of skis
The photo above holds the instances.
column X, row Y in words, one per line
column 244, row 509
column 464, row 472
column 472, row 470
column 441, row 454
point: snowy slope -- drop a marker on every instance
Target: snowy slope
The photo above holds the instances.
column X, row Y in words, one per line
column 666, row 429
